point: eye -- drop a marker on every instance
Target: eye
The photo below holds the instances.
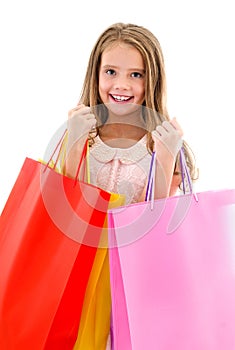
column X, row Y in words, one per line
column 110, row 72
column 136, row 75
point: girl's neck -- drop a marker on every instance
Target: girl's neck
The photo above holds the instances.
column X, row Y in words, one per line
column 121, row 135
column 125, row 125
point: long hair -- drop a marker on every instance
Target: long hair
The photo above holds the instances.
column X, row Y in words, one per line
column 155, row 102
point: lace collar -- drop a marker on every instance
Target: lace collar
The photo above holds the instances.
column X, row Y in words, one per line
column 104, row 153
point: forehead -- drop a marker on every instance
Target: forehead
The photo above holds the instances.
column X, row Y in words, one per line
column 121, row 53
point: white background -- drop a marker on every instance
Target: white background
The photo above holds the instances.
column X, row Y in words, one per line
column 45, row 47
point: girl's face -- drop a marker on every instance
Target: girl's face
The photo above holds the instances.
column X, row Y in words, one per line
column 122, row 77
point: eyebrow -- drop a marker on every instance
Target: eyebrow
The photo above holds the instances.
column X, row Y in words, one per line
column 130, row 69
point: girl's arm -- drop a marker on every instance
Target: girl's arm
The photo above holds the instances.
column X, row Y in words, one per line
column 168, row 141
column 176, row 181
column 80, row 122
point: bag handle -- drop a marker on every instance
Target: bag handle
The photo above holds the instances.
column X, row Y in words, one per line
column 50, row 161
column 59, row 147
column 150, row 186
column 185, row 175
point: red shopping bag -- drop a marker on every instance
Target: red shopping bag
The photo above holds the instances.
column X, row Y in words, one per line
column 172, row 271
column 50, row 228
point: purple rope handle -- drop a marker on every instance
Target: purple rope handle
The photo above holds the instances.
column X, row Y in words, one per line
column 184, row 170
column 149, row 185
column 184, row 174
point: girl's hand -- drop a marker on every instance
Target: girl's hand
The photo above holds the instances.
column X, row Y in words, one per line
column 167, row 139
column 167, row 143
column 81, row 121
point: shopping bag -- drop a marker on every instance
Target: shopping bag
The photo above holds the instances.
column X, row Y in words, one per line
column 172, row 273
column 174, row 291
column 94, row 326
column 50, row 228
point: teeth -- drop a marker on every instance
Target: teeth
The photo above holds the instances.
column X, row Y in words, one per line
column 120, row 98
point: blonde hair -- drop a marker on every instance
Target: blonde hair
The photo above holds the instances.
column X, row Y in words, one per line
column 155, row 83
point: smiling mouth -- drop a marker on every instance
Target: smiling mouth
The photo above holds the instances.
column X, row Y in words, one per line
column 120, row 98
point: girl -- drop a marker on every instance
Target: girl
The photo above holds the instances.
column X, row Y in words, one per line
column 125, row 81
column 123, row 113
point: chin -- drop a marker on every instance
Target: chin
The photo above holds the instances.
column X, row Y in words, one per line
column 122, row 109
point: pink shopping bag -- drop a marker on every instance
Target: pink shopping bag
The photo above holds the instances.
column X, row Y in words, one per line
column 172, row 272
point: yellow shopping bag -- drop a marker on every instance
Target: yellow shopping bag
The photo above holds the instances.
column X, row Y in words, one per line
column 95, row 319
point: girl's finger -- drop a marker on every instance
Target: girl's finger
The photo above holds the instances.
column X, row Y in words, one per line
column 161, row 130
column 177, row 126
column 168, row 126
column 90, row 116
column 81, row 110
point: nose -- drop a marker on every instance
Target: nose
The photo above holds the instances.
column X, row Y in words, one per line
column 122, row 82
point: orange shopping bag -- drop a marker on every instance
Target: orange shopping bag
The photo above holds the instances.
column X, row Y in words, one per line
column 94, row 326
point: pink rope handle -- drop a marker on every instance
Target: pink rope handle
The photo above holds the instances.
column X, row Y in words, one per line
column 59, row 146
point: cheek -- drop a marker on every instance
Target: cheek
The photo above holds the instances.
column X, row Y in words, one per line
column 102, row 90
column 141, row 90
column 103, row 84
column 140, row 85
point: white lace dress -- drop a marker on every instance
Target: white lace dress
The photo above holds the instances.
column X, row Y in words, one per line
column 120, row 170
